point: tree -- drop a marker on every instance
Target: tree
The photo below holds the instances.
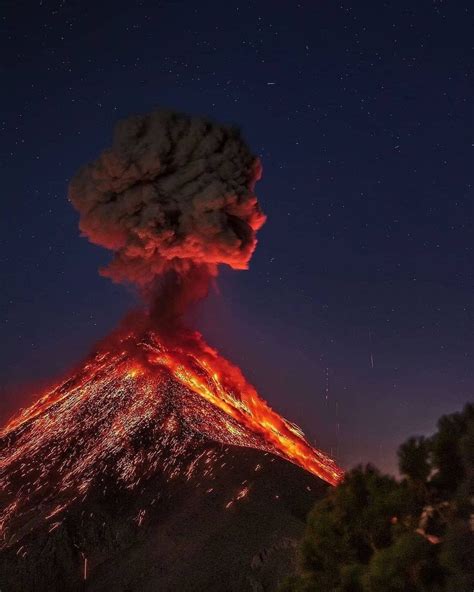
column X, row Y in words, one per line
column 413, row 459
column 409, row 565
column 457, row 554
column 348, row 526
column 448, row 455
column 373, row 533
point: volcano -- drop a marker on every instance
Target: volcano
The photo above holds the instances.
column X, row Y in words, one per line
column 153, row 466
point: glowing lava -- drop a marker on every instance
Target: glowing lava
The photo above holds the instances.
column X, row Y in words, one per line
column 170, row 392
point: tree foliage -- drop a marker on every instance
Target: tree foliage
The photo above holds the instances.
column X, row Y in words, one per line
column 373, row 533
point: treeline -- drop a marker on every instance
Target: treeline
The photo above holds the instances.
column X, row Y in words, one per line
column 374, row 533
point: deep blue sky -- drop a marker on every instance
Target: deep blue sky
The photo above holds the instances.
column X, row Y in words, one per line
column 358, row 307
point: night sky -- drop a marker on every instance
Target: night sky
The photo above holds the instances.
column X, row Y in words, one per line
column 355, row 319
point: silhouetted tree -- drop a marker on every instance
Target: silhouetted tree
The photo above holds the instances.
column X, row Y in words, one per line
column 413, row 459
column 408, row 565
column 373, row 533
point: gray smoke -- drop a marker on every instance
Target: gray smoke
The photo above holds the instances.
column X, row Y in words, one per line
column 173, row 196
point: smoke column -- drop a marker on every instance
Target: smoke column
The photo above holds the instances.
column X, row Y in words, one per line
column 172, row 199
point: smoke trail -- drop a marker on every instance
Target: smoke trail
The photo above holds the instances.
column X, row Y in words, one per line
column 172, row 198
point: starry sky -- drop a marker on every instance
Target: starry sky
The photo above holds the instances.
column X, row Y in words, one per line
column 355, row 319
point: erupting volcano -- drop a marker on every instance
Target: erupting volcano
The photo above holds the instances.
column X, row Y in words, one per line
column 153, row 408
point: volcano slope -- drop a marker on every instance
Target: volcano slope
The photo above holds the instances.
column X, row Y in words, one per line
column 125, row 478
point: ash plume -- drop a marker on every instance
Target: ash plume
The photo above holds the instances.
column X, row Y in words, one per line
column 172, row 199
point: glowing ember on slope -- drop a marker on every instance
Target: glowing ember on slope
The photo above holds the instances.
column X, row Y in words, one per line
column 221, row 383
column 135, row 408
column 199, row 368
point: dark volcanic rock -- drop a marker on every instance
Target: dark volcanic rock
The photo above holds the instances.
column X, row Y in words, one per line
column 232, row 527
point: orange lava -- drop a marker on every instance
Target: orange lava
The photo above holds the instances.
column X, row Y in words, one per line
column 198, row 368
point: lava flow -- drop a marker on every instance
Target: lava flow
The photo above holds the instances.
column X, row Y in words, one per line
column 92, row 422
